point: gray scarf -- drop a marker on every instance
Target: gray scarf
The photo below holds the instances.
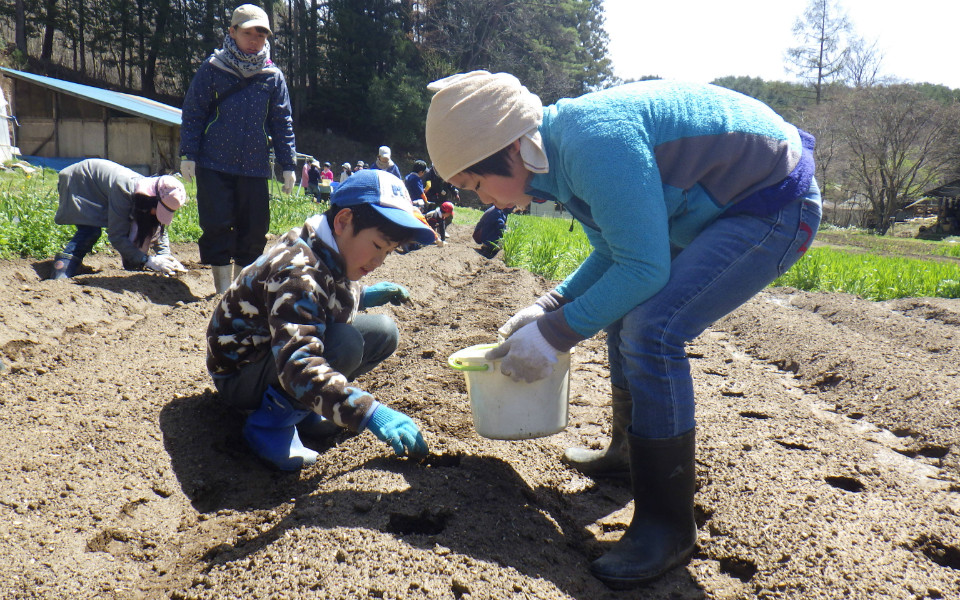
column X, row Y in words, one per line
column 245, row 64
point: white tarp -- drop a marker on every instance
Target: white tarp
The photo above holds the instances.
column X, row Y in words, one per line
column 6, row 148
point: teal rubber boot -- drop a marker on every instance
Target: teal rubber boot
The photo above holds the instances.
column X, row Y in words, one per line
column 663, row 532
column 271, row 432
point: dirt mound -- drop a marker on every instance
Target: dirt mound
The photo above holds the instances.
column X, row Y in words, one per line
column 827, row 453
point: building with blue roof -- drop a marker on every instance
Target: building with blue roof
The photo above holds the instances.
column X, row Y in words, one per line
column 56, row 123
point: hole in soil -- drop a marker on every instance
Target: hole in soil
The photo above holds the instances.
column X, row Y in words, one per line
column 907, row 453
column 608, row 527
column 701, row 515
column 902, row 432
column 442, row 460
column 934, row 451
column 744, row 570
column 101, row 542
column 938, row 552
column 787, row 365
column 793, row 445
column 428, row 522
column 856, row 416
column 848, row 484
column 828, row 380
column 750, row 414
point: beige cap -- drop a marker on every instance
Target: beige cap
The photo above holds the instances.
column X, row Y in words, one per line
column 250, row 15
column 475, row 115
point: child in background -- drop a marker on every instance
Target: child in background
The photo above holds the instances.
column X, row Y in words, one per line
column 313, row 180
column 286, row 339
column 489, row 231
column 440, row 218
column 326, row 173
column 414, row 182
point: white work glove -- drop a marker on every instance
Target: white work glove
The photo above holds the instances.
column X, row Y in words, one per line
column 188, row 170
column 175, row 264
column 289, row 178
column 161, row 263
column 526, row 355
column 527, row 315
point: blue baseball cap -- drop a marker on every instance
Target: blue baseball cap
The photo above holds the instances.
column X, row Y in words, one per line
column 388, row 195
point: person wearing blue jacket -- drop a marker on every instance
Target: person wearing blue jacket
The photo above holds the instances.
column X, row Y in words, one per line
column 236, row 108
column 708, row 198
column 489, row 230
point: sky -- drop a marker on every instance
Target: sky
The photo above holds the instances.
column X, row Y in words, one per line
column 701, row 40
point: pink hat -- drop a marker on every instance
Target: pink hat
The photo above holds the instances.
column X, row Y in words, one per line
column 169, row 192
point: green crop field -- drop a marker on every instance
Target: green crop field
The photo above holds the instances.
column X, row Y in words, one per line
column 875, row 268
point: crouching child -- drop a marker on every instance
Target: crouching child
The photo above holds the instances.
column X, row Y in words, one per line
column 286, row 339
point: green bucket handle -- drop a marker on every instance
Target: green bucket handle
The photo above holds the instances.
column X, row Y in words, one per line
column 454, row 363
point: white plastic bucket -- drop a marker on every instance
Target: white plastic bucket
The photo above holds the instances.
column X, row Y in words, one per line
column 504, row 409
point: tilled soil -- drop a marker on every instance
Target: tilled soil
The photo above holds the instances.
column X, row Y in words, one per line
column 827, row 462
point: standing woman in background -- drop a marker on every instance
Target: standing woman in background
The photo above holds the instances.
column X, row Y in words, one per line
column 236, row 105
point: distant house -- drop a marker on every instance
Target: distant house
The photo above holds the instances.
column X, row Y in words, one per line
column 947, row 198
column 60, row 122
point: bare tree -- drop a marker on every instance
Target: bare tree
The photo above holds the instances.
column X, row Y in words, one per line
column 862, row 68
column 822, row 32
column 901, row 143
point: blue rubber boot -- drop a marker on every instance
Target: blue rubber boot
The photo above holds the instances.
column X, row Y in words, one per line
column 65, row 266
column 271, row 432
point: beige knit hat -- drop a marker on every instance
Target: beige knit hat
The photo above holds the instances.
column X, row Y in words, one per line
column 475, row 115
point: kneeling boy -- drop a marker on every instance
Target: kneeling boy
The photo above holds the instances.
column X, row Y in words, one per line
column 285, row 340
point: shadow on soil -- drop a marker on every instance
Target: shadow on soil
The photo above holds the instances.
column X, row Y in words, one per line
column 474, row 505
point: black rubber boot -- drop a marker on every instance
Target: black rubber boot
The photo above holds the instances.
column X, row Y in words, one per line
column 613, row 461
column 663, row 532
column 65, row 266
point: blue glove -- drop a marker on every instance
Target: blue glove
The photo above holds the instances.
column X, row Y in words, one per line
column 398, row 430
column 379, row 294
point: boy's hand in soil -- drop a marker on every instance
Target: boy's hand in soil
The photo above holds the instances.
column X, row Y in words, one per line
column 379, row 294
column 398, row 430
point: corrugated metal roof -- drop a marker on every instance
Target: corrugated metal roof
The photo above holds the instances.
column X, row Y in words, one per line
column 135, row 105
column 949, row 190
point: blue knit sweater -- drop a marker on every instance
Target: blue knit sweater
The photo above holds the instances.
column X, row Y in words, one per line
column 648, row 165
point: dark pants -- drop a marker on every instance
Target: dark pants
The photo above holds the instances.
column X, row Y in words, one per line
column 234, row 212
column 82, row 241
column 351, row 349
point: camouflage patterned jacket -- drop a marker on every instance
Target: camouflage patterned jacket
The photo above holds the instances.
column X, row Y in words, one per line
column 282, row 304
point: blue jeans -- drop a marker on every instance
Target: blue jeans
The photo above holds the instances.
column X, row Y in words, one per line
column 82, row 241
column 350, row 349
column 728, row 263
